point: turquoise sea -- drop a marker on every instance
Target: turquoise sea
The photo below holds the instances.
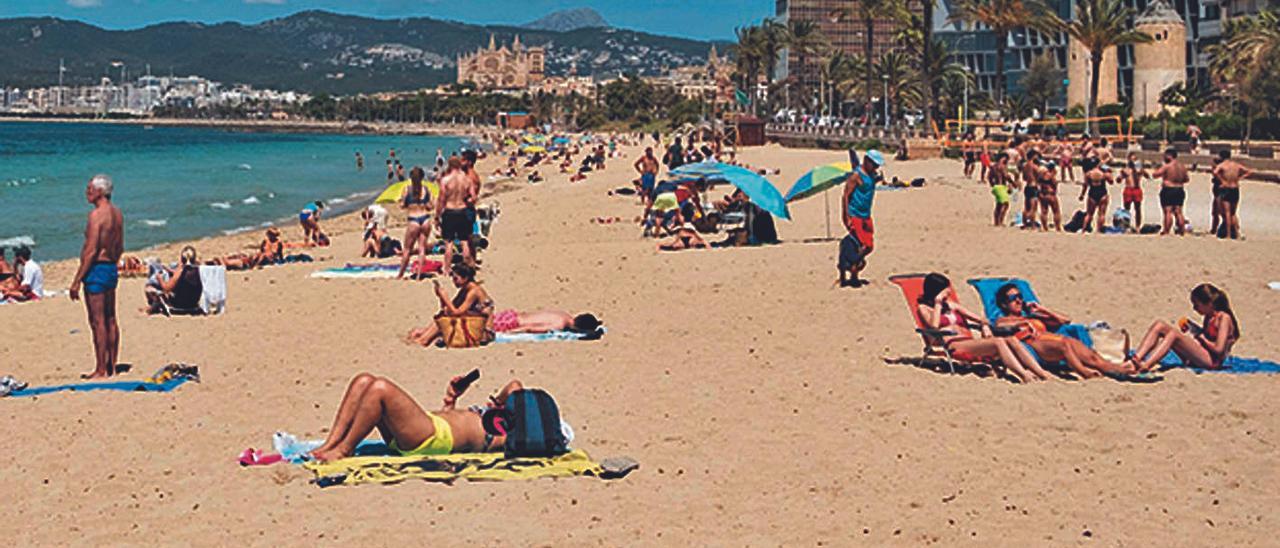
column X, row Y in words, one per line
column 176, row 183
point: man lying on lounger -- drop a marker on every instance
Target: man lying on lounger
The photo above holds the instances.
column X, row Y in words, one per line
column 375, row 402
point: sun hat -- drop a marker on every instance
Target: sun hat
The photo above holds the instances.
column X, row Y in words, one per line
column 875, row 156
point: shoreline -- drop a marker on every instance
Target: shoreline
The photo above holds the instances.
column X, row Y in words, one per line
column 281, row 126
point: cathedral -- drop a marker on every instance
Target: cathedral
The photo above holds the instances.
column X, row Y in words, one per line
column 516, row 67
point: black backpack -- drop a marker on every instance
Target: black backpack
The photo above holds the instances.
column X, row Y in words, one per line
column 533, row 425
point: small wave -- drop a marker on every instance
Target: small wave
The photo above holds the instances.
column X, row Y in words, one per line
column 155, row 222
column 250, row 200
column 16, row 241
column 220, row 205
column 271, row 195
column 244, row 167
column 239, row 230
column 338, row 201
column 25, row 181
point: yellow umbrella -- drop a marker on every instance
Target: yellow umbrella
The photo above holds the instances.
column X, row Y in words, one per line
column 392, row 194
column 534, row 149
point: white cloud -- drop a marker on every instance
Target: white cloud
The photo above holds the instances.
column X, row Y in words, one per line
column 84, row 3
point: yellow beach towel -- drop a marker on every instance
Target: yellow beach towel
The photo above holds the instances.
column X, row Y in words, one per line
column 449, row 468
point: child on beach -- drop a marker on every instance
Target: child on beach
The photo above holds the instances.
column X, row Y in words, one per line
column 1205, row 346
column 859, row 192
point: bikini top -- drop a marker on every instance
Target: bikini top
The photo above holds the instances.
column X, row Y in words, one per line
column 480, row 307
column 411, row 199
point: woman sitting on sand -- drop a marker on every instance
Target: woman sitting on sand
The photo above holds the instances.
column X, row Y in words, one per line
column 181, row 291
column 1205, row 346
column 939, row 309
column 471, row 300
column 547, row 321
column 1030, row 320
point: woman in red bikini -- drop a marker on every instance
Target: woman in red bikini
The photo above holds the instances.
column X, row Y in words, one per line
column 939, row 309
column 1205, row 346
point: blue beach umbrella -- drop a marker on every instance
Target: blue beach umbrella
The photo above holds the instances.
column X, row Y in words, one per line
column 761, row 192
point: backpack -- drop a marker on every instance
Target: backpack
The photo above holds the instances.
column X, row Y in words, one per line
column 533, row 425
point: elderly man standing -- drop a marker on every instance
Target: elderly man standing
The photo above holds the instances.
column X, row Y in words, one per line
column 855, row 211
column 103, row 245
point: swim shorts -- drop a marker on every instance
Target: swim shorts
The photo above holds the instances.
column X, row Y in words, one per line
column 647, row 182
column 1031, row 192
column 440, row 443
column 506, row 320
column 302, row 217
column 101, row 278
column 1132, row 195
column 1001, row 192
column 455, row 225
column 1230, row 195
column 858, row 244
column 1172, row 196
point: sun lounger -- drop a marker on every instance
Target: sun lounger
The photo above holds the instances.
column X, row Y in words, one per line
column 912, row 286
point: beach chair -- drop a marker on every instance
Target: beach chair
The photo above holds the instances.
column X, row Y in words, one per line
column 987, row 288
column 912, row 286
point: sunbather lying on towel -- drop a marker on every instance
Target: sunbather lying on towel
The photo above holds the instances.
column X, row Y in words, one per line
column 939, row 308
column 546, row 321
column 375, row 402
column 685, row 237
column 1030, row 319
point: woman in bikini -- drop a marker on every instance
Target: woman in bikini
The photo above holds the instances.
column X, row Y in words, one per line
column 939, row 310
column 1049, row 197
column 1031, row 319
column 471, row 300
column 1205, row 346
column 1095, row 181
column 416, row 203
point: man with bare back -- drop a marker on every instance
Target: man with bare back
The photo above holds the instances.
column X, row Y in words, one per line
column 454, row 223
column 1172, row 175
column 1230, row 172
column 103, row 245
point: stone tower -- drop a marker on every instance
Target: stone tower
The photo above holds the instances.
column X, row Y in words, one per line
column 1078, row 73
column 1160, row 63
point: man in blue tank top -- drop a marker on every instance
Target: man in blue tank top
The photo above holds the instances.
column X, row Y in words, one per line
column 855, row 211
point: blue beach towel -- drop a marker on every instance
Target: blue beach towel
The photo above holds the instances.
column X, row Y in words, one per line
column 539, row 337
column 120, row 386
column 987, row 288
column 1233, row 365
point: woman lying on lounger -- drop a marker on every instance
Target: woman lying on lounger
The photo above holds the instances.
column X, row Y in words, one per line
column 1205, row 346
column 547, row 321
column 471, row 300
column 1030, row 319
column 375, row 402
column 938, row 309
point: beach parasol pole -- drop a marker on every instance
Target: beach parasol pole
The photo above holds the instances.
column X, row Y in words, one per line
column 826, row 200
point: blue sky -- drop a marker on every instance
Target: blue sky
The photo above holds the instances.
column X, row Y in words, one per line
column 707, row 19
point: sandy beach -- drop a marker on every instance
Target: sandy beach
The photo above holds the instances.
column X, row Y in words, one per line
column 755, row 395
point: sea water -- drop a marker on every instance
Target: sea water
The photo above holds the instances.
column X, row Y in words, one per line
column 180, row 183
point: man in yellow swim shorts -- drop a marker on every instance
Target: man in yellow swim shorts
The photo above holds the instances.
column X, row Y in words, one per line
column 999, row 180
column 375, row 402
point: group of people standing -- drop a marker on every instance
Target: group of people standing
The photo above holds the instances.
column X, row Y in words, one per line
column 1038, row 165
column 451, row 211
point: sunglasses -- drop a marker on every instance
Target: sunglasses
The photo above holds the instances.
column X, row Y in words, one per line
column 1013, row 298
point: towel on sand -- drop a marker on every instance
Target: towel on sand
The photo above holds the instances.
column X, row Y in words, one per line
column 1234, row 364
column 213, row 280
column 539, row 337
column 120, row 386
column 450, row 468
column 376, row 271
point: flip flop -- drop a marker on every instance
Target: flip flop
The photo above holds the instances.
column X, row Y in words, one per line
column 254, row 457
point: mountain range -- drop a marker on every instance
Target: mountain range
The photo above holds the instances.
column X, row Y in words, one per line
column 319, row 51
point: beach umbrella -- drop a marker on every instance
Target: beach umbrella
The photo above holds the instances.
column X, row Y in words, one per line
column 761, row 192
column 819, row 179
column 560, row 140
column 392, row 194
column 534, row 148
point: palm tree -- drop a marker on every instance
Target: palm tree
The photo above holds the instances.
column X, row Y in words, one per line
column 1003, row 17
column 838, row 69
column 1245, row 61
column 898, row 73
column 749, row 53
column 1099, row 25
column 868, row 11
column 943, row 74
column 806, row 40
column 775, row 38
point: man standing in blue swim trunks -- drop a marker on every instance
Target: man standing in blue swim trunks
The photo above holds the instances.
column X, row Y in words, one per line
column 103, row 245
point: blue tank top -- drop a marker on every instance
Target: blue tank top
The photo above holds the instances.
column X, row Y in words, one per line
column 863, row 194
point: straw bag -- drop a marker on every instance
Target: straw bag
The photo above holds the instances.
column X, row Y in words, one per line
column 467, row 331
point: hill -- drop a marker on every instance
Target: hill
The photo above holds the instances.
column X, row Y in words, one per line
column 314, row 51
column 567, row 20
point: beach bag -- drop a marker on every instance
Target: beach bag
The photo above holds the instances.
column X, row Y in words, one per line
column 533, row 425
column 467, row 331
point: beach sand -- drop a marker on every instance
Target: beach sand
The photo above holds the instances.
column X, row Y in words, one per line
column 754, row 395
